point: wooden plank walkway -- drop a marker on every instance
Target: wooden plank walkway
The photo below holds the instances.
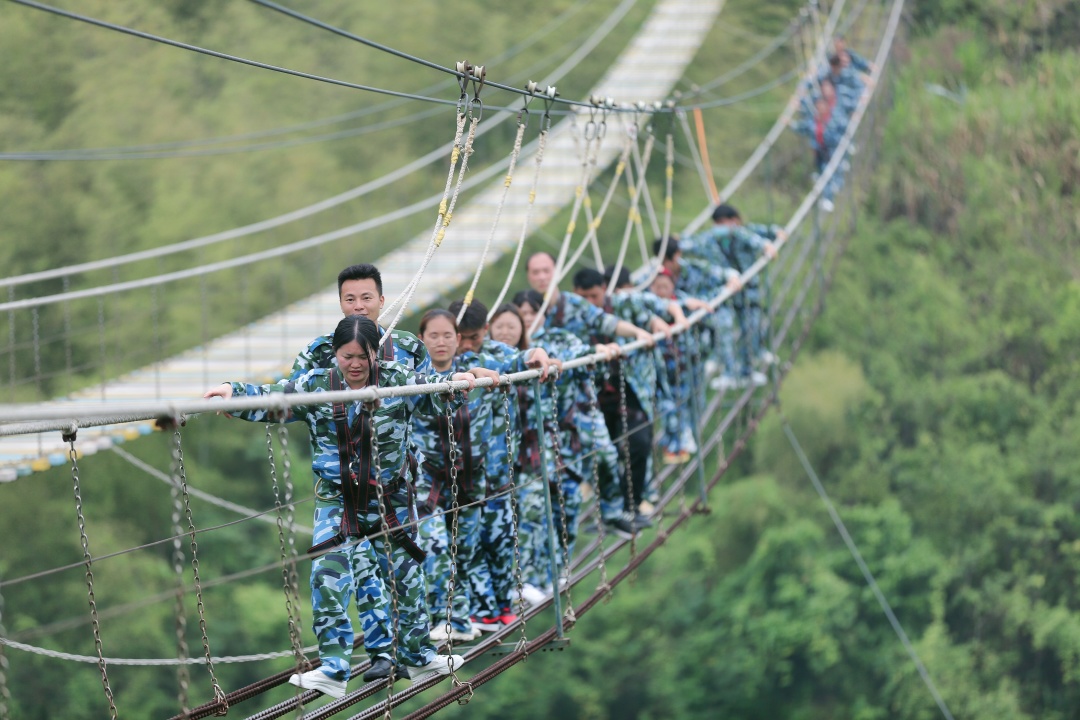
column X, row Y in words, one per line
column 646, row 71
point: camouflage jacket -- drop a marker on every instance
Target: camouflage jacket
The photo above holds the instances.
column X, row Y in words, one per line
column 572, row 396
column 732, row 246
column 392, row 418
column 638, row 308
column 577, row 316
column 479, row 431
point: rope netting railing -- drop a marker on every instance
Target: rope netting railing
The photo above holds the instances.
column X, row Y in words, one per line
column 811, row 279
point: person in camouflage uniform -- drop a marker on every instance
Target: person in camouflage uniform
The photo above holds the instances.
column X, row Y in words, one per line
column 695, row 278
column 730, row 244
column 680, row 377
column 491, row 576
column 577, row 316
column 637, row 371
column 348, row 508
column 473, row 431
column 360, row 292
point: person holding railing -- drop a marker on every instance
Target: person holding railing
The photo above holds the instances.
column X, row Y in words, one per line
column 358, row 490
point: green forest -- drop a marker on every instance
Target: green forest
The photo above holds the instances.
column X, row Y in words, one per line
column 938, row 398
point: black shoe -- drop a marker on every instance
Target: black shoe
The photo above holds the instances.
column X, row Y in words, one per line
column 642, row 521
column 622, row 526
column 381, row 669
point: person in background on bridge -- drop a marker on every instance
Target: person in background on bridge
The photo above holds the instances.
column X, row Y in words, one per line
column 567, row 435
column 678, row 380
column 360, row 292
column 825, row 126
column 695, row 278
column 728, row 243
column 850, row 58
column 639, row 370
column 348, row 481
column 490, row 576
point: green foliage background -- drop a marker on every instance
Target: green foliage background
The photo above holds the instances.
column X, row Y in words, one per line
column 938, row 400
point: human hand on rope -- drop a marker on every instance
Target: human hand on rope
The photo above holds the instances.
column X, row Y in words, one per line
column 223, row 391
column 609, row 350
column 782, row 235
column 465, row 377
column 538, row 359
column 657, row 324
column 645, row 336
column 482, row 372
column 695, row 304
column 770, row 250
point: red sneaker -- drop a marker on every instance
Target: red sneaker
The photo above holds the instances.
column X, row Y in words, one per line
column 508, row 617
column 486, row 624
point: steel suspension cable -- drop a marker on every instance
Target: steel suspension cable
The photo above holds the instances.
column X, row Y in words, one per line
column 509, row 53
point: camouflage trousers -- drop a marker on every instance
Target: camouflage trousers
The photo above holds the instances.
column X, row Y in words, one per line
column 676, row 416
column 360, row 568
column 603, row 458
column 750, row 321
column 536, row 566
column 435, row 538
column 721, row 326
column 492, row 583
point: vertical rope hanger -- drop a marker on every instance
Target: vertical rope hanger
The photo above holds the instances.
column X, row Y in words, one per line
column 657, row 262
column 541, row 143
column 473, row 110
column 633, row 216
column 522, row 124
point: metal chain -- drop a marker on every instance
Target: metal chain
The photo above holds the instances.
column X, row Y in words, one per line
column 523, row 641
column 391, row 576
column 288, row 561
column 88, row 562
column 181, row 481
column 5, row 693
column 594, row 408
column 624, row 447
column 569, row 615
column 183, row 676
column 452, row 458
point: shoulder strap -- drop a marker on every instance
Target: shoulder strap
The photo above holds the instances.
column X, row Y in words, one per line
column 354, row 458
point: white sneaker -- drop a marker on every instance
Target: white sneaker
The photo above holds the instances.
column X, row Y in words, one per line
column 827, row 205
column 318, row 680
column 711, row 368
column 533, row 595
column 758, row 379
column 767, row 358
column 441, row 665
column 438, row 634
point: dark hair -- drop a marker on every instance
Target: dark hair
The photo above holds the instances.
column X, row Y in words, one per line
column 835, row 61
column 475, row 317
column 624, row 277
column 587, row 279
column 360, row 328
column 362, row 271
column 531, row 298
column 724, row 212
column 523, row 341
column 669, row 252
column 538, row 254
column 437, row 313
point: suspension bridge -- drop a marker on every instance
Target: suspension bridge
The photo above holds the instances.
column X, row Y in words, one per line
column 495, row 221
